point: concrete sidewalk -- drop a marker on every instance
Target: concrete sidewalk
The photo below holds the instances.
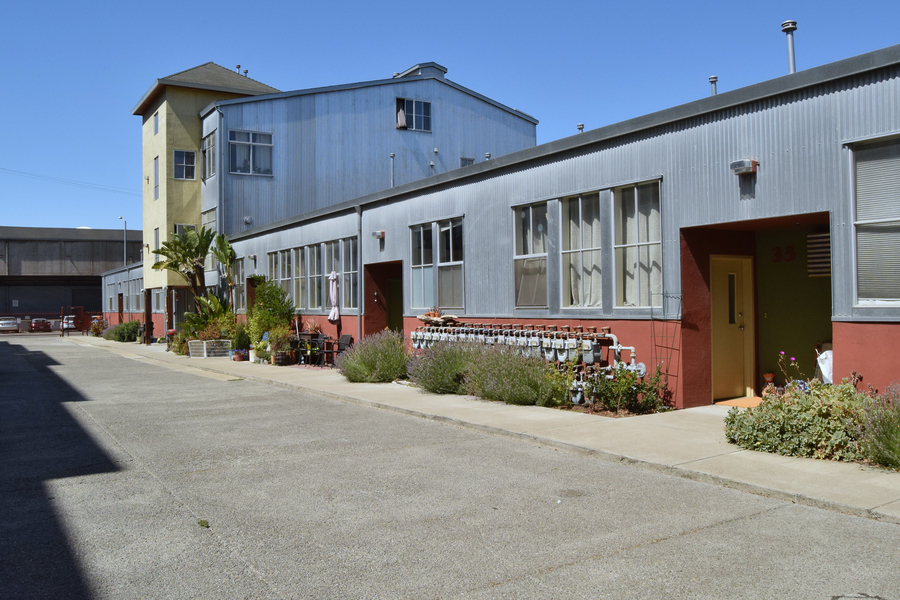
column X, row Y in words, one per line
column 687, row 443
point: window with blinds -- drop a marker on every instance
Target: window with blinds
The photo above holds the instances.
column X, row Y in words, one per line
column 877, row 222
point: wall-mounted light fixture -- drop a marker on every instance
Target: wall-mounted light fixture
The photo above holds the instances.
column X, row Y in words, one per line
column 378, row 235
column 487, row 156
column 435, row 150
column 147, row 179
column 248, row 220
column 744, row 166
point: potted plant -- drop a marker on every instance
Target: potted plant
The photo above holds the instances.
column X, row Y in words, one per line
column 280, row 343
column 259, row 351
column 240, row 344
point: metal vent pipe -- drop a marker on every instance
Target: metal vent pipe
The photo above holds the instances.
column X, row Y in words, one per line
column 789, row 27
column 712, row 84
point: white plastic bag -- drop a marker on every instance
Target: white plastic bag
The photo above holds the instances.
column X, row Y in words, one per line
column 824, row 360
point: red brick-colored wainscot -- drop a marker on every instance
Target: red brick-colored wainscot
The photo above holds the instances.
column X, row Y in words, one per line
column 870, row 349
column 636, row 333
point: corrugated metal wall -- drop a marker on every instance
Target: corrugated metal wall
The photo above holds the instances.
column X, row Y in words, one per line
column 802, row 140
column 799, row 140
column 335, row 146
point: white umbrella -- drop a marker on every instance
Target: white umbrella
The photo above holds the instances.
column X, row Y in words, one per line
column 334, row 315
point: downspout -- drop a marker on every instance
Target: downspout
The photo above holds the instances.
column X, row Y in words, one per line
column 362, row 278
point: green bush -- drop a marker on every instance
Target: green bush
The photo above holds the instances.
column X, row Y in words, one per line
column 627, row 391
column 820, row 423
column 123, row 332
column 272, row 306
column 442, row 368
column 241, row 339
column 382, row 357
column 880, row 425
column 503, row 373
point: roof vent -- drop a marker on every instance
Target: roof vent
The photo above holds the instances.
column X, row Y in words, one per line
column 789, row 27
column 238, row 68
column 712, row 84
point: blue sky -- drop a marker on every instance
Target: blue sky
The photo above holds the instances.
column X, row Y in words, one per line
column 72, row 72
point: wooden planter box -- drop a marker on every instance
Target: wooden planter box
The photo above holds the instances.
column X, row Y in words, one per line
column 209, row 348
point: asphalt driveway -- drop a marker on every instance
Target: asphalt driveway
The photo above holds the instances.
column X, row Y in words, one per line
column 109, row 463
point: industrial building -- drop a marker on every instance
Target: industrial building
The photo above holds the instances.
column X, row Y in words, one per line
column 44, row 270
column 710, row 236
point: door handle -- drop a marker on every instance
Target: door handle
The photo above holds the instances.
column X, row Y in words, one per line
column 741, row 327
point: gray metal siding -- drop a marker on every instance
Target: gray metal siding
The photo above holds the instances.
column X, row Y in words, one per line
column 798, row 139
column 333, row 147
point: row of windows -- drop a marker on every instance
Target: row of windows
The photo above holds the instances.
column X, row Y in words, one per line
column 132, row 296
column 637, row 250
column 305, row 273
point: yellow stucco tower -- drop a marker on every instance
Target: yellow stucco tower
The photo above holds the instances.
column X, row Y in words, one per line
column 173, row 153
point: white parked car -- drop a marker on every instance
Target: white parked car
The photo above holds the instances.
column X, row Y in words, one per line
column 68, row 322
column 9, row 324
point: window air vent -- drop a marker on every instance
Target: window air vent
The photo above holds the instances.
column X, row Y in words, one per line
column 818, row 254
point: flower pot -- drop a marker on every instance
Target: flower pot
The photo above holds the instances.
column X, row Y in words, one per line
column 252, row 355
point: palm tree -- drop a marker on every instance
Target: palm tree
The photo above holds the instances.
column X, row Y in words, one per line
column 185, row 254
column 226, row 256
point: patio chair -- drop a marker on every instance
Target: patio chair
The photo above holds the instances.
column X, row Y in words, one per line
column 335, row 347
column 315, row 350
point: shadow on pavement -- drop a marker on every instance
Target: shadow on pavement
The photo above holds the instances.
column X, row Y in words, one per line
column 39, row 441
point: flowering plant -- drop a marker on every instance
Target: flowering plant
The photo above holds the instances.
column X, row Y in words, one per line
column 791, row 371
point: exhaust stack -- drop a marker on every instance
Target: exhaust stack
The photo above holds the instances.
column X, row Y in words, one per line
column 789, row 27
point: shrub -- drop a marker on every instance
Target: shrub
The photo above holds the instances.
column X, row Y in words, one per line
column 820, row 423
column 241, row 339
column 503, row 373
column 628, row 391
column 280, row 338
column 382, row 357
column 180, row 342
column 442, row 368
column 99, row 327
column 123, row 332
column 880, row 428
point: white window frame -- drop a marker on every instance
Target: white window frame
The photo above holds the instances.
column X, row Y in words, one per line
column 184, row 165
column 182, row 228
column 155, row 122
column 451, row 260
column 256, row 144
column 208, row 155
column 299, row 278
column 405, row 106
column 156, row 245
column 208, row 221
column 876, row 210
column 585, row 252
column 285, row 258
column 530, row 255
column 421, row 265
column 156, row 178
column 465, row 161
column 634, row 295
column 240, row 298
column 350, row 273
